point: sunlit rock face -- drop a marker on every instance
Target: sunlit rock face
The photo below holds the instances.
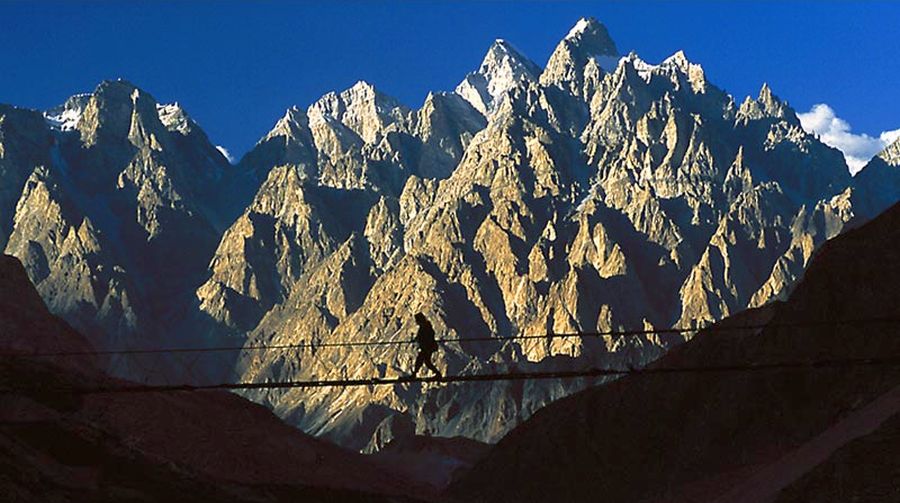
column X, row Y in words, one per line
column 502, row 69
column 25, row 142
column 115, row 212
column 597, row 193
column 581, row 59
column 735, row 429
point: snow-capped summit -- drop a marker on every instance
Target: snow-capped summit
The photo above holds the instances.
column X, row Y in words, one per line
column 679, row 61
column 586, row 52
column 502, row 54
column 643, row 68
column 502, row 69
column 579, row 28
column 678, row 65
column 591, row 35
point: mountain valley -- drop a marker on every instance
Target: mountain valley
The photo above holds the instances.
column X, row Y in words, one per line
column 599, row 193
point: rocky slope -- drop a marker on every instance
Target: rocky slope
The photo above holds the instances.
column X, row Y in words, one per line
column 112, row 202
column 734, row 436
column 59, row 446
column 863, row 470
column 599, row 193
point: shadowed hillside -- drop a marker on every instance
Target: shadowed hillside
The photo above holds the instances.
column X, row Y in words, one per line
column 735, row 436
column 57, row 445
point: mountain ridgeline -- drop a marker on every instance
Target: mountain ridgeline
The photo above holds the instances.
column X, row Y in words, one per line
column 598, row 193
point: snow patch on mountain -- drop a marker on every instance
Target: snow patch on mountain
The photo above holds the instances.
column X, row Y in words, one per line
column 173, row 117
column 66, row 116
column 644, row 69
column 579, row 28
column 502, row 69
column 224, row 151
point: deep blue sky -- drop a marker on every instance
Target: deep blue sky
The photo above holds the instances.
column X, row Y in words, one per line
column 236, row 66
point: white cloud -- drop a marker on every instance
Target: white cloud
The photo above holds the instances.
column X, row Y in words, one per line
column 858, row 149
column 226, row 153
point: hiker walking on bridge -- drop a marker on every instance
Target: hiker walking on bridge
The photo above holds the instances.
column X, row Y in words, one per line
column 427, row 346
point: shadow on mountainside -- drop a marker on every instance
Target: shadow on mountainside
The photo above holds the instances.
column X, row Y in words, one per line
column 60, row 445
column 734, row 436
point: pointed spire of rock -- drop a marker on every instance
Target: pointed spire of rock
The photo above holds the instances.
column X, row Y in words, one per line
column 738, row 179
column 503, row 57
column 587, row 42
column 679, row 62
column 117, row 109
column 766, row 98
column 362, row 108
column 767, row 105
column 502, row 69
column 293, row 120
column 592, row 37
column 290, row 142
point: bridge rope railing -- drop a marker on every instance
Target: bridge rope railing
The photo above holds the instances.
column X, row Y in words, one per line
column 494, row 339
column 789, row 365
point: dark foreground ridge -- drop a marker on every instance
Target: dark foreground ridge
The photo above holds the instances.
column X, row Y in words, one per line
column 213, row 446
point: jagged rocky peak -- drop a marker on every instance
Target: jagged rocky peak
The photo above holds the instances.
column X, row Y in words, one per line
column 155, row 151
column 439, row 106
column 365, row 110
column 118, row 110
column 445, row 124
column 294, row 120
column 673, row 68
column 363, row 137
column 678, row 63
column 502, row 69
column 631, row 72
column 502, row 56
column 592, row 35
column 289, row 142
column 585, row 53
column 739, row 178
column 291, row 129
column 766, row 106
column 891, row 153
column 61, row 249
column 447, row 116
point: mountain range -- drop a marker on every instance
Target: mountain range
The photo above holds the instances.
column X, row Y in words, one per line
column 598, row 193
column 821, row 427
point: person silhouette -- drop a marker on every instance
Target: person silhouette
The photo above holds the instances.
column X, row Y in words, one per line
column 427, row 346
